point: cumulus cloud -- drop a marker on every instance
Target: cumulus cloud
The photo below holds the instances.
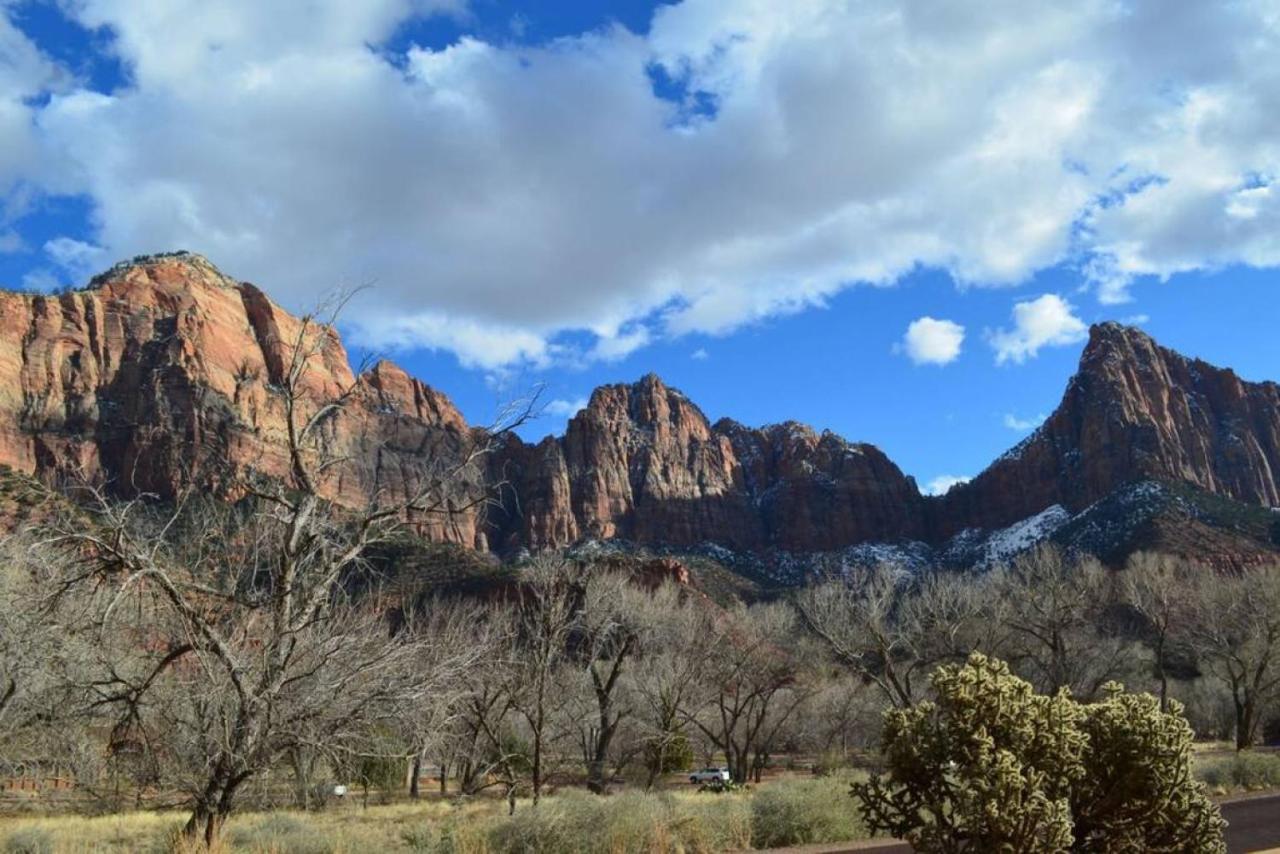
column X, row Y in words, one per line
column 933, row 342
column 700, row 355
column 1048, row 321
column 1022, row 425
column 942, row 484
column 505, row 197
column 25, row 73
column 561, row 408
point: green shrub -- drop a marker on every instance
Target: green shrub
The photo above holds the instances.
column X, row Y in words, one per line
column 1240, row 771
column 801, row 812
column 630, row 823
column 28, row 840
column 713, row 824
column 279, row 833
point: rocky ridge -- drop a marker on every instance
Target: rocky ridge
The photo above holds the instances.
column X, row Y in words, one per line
column 165, row 370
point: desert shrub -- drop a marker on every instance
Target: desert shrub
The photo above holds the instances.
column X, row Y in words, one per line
column 28, row 840
column 800, row 812
column 280, row 833
column 993, row 766
column 632, row 823
column 713, row 824
column 830, row 763
column 451, row 836
column 1240, row 771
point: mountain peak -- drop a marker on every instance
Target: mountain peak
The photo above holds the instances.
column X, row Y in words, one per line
column 179, row 260
column 1135, row 411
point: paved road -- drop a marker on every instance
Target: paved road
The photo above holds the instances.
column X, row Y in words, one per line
column 1254, row 826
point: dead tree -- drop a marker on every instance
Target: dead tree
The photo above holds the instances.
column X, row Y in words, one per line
column 256, row 643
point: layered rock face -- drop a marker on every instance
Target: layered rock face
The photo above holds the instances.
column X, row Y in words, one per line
column 642, row 463
column 165, row 372
column 1134, row 411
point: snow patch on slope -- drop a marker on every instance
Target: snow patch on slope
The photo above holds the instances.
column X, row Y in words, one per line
column 1020, row 536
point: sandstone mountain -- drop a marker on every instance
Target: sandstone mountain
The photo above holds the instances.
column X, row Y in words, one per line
column 164, row 371
column 1134, row 411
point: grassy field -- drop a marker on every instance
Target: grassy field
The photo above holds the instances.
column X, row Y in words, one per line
column 787, row 811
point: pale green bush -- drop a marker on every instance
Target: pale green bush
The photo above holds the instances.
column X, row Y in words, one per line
column 280, row 833
column 631, row 823
column 800, row 812
column 1240, row 771
column 28, row 840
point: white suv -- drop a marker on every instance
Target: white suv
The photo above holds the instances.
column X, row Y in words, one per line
column 710, row 775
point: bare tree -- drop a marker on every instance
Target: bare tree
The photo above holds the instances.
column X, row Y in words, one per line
column 458, row 633
column 667, row 678
column 1157, row 587
column 479, row 742
column 1234, row 628
column 861, row 622
column 609, row 630
column 1057, row 611
column 547, row 606
column 250, row 610
column 753, row 685
column 41, row 655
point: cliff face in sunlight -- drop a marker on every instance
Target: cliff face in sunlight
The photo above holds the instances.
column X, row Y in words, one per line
column 165, row 370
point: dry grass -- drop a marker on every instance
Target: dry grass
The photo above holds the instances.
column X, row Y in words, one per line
column 573, row 822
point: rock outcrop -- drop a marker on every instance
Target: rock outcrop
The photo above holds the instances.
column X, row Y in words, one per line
column 642, row 463
column 1134, row 411
column 164, row 371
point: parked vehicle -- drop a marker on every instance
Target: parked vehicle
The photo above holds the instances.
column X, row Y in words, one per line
column 710, row 775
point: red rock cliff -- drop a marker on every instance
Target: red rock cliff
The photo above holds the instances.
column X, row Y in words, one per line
column 1133, row 411
column 164, row 370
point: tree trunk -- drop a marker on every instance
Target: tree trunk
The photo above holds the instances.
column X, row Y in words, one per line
column 1163, row 674
column 302, row 779
column 596, row 781
column 737, row 765
column 414, row 778
column 213, row 807
column 1245, row 715
column 655, row 768
column 537, row 770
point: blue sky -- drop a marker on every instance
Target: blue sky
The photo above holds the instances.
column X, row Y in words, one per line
column 755, row 203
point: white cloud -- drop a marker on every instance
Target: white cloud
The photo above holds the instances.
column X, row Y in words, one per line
column 700, row 355
column 612, row 346
column 933, row 342
column 25, row 72
column 503, row 197
column 1136, row 320
column 74, row 256
column 942, row 484
column 11, row 241
column 1048, row 321
column 561, row 408
column 41, row 279
column 1022, row 425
